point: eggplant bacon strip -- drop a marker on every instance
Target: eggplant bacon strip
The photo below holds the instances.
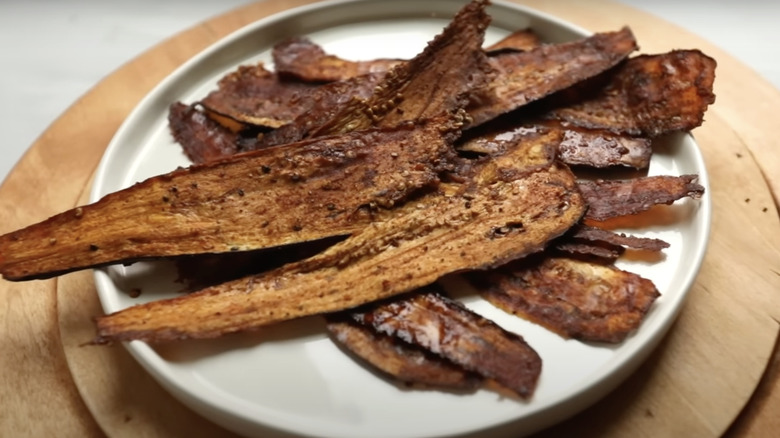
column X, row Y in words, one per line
column 305, row 191
column 607, row 199
column 306, row 61
column 599, row 148
column 399, row 360
column 574, row 298
column 528, row 76
column 255, row 96
column 578, row 147
column 494, row 217
column 449, row 330
column 202, row 139
column 587, row 240
column 201, row 147
column 648, row 95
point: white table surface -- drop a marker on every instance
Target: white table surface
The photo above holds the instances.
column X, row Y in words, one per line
column 53, row 51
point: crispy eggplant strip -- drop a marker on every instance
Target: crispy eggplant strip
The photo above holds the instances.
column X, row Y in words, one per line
column 304, row 60
column 438, row 80
column 496, row 216
column 594, row 234
column 518, row 41
column 574, row 298
column 446, row 328
column 528, row 76
column 581, row 147
column 202, row 139
column 324, row 104
column 608, row 199
column 399, row 360
column 585, row 240
column 255, row 96
column 599, row 148
column 648, row 95
column 317, row 188
column 591, row 250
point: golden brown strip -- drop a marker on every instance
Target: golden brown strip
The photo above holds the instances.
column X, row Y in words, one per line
column 574, row 298
column 647, row 95
column 528, row 76
column 318, row 188
column 253, row 95
column 398, row 360
column 438, row 80
column 608, row 199
column 499, row 216
column 446, row 328
column 300, row 58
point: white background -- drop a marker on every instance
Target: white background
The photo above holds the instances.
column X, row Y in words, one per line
column 53, row 51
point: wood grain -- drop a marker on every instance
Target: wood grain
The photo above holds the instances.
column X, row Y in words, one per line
column 695, row 384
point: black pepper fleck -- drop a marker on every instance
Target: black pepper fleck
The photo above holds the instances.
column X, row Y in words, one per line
column 93, row 247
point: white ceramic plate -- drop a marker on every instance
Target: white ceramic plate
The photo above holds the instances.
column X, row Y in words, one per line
column 291, row 378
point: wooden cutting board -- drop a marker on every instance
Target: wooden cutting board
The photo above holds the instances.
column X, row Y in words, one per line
column 715, row 373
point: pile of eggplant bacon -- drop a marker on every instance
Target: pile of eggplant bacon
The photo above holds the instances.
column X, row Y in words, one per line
column 349, row 189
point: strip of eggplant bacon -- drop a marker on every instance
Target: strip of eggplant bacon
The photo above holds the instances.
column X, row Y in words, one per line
column 648, row 95
column 496, row 216
column 306, row 191
column 255, row 96
column 614, row 198
column 574, row 298
column 525, row 77
column 605, row 245
column 397, row 359
column 449, row 330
